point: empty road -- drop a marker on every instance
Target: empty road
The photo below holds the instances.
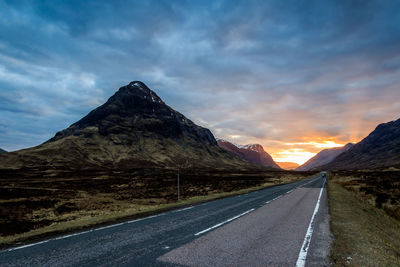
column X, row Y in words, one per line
column 284, row 225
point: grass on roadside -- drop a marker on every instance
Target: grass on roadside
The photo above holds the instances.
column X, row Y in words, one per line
column 364, row 235
column 83, row 222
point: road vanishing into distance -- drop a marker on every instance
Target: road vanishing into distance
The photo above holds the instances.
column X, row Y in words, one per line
column 284, row 225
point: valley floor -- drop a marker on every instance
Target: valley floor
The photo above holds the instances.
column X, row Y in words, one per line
column 284, row 225
column 39, row 203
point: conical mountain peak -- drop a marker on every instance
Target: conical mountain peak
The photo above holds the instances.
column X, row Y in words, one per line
column 135, row 87
column 138, row 89
column 133, row 128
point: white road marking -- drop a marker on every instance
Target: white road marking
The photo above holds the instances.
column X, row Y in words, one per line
column 29, row 245
column 108, row 226
column 269, row 201
column 224, row 222
column 132, row 221
column 313, row 180
column 188, row 208
column 301, row 260
column 290, row 191
column 64, row 236
column 80, row 233
column 308, row 182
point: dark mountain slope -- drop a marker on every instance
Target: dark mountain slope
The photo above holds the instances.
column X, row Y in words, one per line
column 133, row 129
column 324, row 157
column 379, row 149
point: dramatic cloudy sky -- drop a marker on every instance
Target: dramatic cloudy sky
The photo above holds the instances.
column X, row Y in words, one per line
column 294, row 76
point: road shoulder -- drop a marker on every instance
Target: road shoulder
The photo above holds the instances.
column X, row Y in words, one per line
column 322, row 238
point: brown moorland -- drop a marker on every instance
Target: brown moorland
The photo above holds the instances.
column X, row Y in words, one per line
column 380, row 188
column 36, row 203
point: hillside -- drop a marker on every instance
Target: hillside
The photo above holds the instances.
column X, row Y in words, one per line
column 324, row 157
column 2, row 151
column 133, row 129
column 253, row 153
column 381, row 148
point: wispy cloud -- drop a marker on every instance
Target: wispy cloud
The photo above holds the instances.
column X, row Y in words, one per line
column 271, row 72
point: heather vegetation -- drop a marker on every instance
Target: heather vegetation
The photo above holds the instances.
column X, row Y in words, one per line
column 379, row 188
column 364, row 208
column 35, row 203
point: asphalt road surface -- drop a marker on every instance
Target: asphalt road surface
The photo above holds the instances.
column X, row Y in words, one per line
column 284, row 225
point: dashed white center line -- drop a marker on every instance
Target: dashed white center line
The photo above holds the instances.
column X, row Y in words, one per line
column 269, row 201
column 224, row 222
column 288, row 192
column 305, row 244
column 244, row 213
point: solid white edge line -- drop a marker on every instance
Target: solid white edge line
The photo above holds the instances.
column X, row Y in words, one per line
column 188, row 208
column 79, row 233
column 132, row 221
column 301, row 260
column 28, row 245
column 224, row 222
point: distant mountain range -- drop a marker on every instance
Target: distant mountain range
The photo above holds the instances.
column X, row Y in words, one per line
column 2, row 151
column 379, row 149
column 253, row 153
column 288, row 165
column 134, row 128
column 324, row 157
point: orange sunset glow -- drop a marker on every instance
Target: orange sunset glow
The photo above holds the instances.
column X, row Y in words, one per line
column 299, row 155
column 282, row 82
column 301, row 152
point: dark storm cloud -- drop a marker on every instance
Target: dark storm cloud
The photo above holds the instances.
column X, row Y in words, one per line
column 271, row 72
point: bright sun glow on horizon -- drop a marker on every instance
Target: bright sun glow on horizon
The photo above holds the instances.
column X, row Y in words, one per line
column 300, row 155
column 297, row 152
column 324, row 144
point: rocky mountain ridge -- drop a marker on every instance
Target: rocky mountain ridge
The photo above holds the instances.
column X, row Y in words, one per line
column 253, row 153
